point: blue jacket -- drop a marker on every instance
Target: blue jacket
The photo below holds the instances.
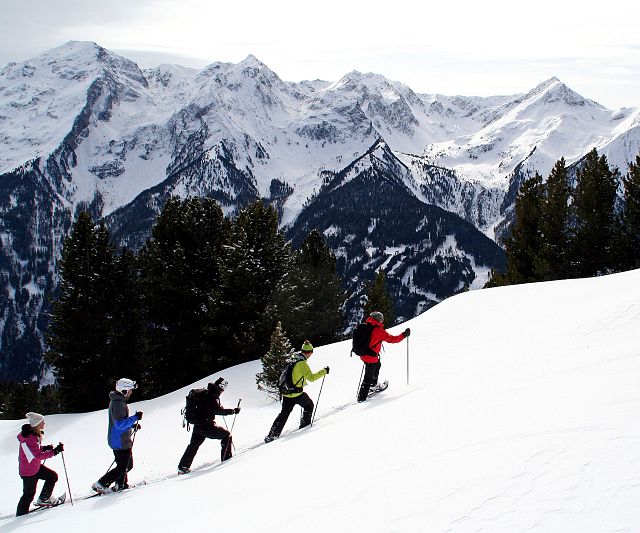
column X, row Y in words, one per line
column 120, row 423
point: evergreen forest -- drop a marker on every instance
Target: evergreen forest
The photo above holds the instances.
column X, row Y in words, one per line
column 204, row 293
column 572, row 225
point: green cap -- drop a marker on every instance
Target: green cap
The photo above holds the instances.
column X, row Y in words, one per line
column 307, row 346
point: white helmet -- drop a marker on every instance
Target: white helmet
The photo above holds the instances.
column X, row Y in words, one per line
column 125, row 384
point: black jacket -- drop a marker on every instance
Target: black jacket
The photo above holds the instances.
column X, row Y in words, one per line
column 213, row 403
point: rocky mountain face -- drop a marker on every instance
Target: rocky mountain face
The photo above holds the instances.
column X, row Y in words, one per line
column 420, row 185
column 372, row 220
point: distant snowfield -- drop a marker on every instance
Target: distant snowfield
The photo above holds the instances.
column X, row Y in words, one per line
column 521, row 414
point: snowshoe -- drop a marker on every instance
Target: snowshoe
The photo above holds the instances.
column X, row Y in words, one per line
column 119, row 488
column 379, row 387
column 51, row 501
column 99, row 488
column 183, row 470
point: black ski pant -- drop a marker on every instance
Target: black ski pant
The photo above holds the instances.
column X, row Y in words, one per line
column 288, row 404
column 29, row 484
column 371, row 371
column 118, row 474
column 204, row 431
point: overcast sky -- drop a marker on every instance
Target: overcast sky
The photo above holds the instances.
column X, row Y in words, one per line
column 449, row 47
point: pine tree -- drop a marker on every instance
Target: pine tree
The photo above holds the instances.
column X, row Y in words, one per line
column 274, row 361
column 49, row 399
column 496, row 279
column 524, row 245
column 180, row 280
column 378, row 299
column 22, row 398
column 125, row 322
column 554, row 225
column 594, row 203
column 254, row 270
column 629, row 239
column 80, row 335
column 315, row 310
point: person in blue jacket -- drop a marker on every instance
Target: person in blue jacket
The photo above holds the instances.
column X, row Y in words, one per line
column 119, row 437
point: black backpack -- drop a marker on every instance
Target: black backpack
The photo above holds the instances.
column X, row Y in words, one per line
column 362, row 339
column 285, row 381
column 197, row 408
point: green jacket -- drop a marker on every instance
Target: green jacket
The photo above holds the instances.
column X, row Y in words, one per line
column 302, row 373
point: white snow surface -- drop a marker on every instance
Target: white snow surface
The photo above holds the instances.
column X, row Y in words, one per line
column 521, row 415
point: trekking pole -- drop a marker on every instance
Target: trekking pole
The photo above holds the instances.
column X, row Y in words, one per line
column 133, row 441
column 112, row 463
column 231, row 430
column 224, row 420
column 407, row 360
column 360, row 380
column 317, row 401
column 64, row 464
column 234, row 417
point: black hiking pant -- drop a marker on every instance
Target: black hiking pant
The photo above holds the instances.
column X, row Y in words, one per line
column 208, row 430
column 29, row 485
column 118, row 474
column 287, row 406
column 371, row 371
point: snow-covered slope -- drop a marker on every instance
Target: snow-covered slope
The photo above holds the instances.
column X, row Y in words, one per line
column 511, row 422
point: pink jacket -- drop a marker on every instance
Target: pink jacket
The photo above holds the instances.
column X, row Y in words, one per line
column 31, row 453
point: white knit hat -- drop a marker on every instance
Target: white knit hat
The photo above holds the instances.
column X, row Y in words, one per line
column 125, row 384
column 34, row 419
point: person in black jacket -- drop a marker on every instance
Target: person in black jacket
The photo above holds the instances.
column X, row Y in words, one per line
column 207, row 429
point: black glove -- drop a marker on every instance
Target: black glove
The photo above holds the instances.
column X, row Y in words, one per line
column 59, row 448
column 139, row 415
column 327, row 369
column 406, row 333
column 47, row 448
column 236, row 410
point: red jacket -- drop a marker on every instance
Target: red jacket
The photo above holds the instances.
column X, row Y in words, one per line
column 378, row 336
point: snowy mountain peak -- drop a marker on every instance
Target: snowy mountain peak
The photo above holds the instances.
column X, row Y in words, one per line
column 74, row 61
column 77, row 48
column 554, row 91
column 250, row 75
column 43, row 97
column 90, row 53
column 369, row 83
column 252, row 61
column 547, row 83
column 252, row 67
column 544, row 86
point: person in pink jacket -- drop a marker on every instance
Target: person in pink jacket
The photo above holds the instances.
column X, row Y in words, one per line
column 31, row 469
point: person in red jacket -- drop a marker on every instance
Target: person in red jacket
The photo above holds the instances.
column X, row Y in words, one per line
column 372, row 361
column 30, row 466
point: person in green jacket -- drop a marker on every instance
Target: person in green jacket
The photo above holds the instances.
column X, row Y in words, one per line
column 300, row 375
